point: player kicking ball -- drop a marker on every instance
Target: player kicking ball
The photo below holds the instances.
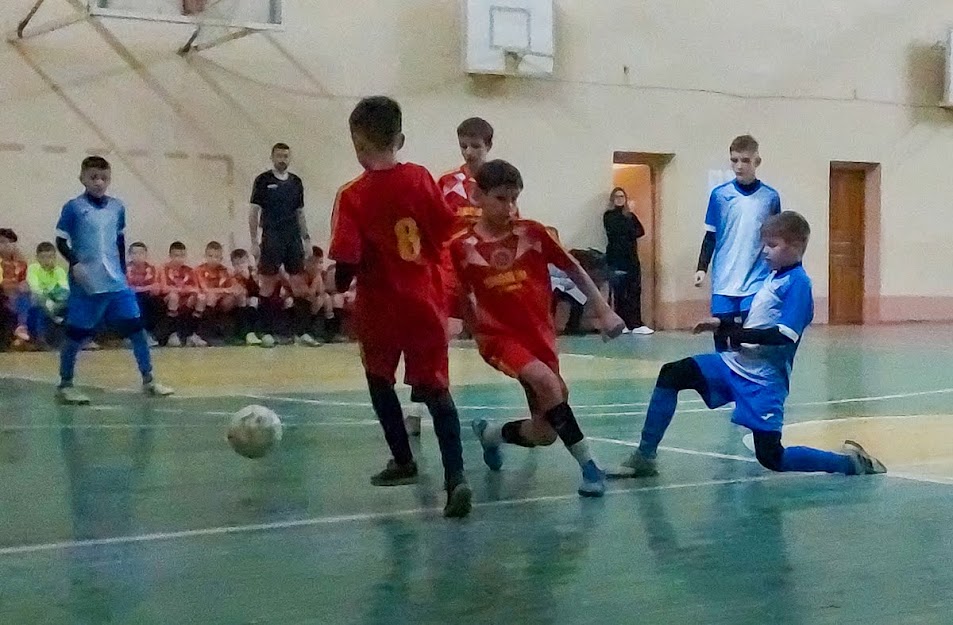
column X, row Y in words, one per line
column 502, row 265
column 755, row 371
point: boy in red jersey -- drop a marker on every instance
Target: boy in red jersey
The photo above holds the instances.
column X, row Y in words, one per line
column 16, row 291
column 245, row 279
column 503, row 261
column 180, row 291
column 143, row 279
column 389, row 227
column 218, row 292
column 475, row 136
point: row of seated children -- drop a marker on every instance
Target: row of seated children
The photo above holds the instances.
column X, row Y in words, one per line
column 213, row 304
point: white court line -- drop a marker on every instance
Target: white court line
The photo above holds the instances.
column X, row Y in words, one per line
column 348, row 518
column 678, row 450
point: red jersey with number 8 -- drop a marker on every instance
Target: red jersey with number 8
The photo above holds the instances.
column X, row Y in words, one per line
column 393, row 225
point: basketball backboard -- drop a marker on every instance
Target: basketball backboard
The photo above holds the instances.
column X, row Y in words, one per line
column 509, row 37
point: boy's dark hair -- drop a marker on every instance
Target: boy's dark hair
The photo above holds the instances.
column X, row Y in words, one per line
column 498, row 173
column 279, row 146
column 317, row 251
column 138, row 244
column 379, row 119
column 744, row 143
column 788, row 225
column 476, row 127
column 94, row 162
column 238, row 254
column 45, row 246
column 177, row 246
column 214, row 245
column 8, row 234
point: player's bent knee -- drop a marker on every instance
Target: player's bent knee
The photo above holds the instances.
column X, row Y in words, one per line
column 79, row 334
column 768, row 450
column 125, row 328
column 680, row 374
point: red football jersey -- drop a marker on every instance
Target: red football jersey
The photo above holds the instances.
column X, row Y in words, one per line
column 209, row 277
column 457, row 188
column 14, row 272
column 509, row 278
column 141, row 275
column 392, row 224
column 181, row 278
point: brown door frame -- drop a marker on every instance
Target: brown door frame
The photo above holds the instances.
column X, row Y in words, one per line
column 871, row 234
column 656, row 163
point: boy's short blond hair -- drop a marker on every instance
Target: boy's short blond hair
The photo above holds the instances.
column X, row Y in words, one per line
column 789, row 226
column 744, row 143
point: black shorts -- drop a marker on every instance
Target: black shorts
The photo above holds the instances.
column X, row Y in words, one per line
column 279, row 249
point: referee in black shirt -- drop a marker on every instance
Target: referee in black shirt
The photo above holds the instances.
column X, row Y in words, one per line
column 277, row 207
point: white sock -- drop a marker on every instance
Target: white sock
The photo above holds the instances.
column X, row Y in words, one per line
column 493, row 434
column 580, row 451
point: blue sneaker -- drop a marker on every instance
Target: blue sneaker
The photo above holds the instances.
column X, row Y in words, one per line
column 492, row 455
column 593, row 481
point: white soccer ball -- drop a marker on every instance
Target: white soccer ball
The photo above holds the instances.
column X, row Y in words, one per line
column 254, row 431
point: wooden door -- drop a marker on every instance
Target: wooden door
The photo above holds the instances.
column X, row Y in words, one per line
column 847, row 245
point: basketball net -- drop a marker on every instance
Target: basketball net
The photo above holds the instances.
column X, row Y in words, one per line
column 210, row 16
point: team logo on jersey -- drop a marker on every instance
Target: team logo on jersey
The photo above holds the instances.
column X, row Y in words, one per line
column 272, row 186
column 502, row 258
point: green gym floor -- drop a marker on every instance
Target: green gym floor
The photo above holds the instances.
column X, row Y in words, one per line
column 135, row 511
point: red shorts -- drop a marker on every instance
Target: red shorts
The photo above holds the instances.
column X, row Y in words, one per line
column 420, row 337
column 510, row 355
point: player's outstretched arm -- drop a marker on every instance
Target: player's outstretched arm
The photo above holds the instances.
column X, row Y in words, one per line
column 610, row 323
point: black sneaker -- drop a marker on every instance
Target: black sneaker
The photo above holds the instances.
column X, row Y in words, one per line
column 459, row 501
column 396, row 474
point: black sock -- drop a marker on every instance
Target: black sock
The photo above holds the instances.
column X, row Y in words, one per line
column 446, row 424
column 513, row 435
column 301, row 317
column 391, row 417
column 270, row 311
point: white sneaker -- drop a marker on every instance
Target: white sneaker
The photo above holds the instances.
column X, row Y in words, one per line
column 196, row 341
column 252, row 340
column 174, row 340
column 626, row 331
column 267, row 341
column 92, row 346
column 154, row 389
column 308, row 341
column 151, row 341
column 643, row 330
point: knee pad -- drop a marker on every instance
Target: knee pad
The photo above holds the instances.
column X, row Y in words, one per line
column 127, row 327
column 680, row 375
column 79, row 334
column 768, row 449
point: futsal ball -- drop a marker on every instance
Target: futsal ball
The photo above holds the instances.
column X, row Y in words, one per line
column 254, row 431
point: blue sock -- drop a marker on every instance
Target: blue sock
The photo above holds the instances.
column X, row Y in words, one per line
column 657, row 419
column 808, row 459
column 68, row 355
column 140, row 349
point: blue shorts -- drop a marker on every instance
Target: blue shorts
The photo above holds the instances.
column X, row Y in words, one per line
column 86, row 311
column 730, row 305
column 757, row 407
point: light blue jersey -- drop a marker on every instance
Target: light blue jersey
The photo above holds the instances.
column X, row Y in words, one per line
column 93, row 229
column 735, row 214
column 785, row 301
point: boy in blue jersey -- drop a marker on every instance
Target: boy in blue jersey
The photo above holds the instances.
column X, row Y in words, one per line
column 90, row 235
column 732, row 243
column 755, row 371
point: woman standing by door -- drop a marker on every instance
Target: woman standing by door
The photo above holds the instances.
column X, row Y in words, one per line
column 623, row 230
